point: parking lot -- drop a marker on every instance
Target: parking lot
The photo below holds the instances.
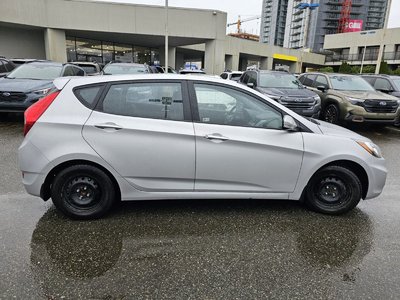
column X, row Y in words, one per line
column 198, row 249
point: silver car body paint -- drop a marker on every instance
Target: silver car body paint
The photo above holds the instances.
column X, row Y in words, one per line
column 157, row 159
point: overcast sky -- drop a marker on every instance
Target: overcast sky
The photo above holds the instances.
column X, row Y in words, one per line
column 244, row 8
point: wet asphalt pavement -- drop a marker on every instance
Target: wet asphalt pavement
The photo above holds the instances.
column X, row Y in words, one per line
column 198, row 249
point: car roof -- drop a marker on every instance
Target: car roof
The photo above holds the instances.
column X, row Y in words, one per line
column 125, row 64
column 83, row 63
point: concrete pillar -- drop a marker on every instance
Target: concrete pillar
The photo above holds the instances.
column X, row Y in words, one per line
column 266, row 63
column 55, row 45
column 243, row 62
column 214, row 57
column 180, row 60
column 232, row 62
column 171, row 56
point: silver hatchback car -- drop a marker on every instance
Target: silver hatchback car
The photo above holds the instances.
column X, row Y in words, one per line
column 98, row 140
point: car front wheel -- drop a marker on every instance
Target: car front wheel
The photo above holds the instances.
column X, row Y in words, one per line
column 83, row 192
column 331, row 114
column 333, row 190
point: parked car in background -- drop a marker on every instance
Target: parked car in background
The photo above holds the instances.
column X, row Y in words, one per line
column 231, row 75
column 384, row 83
column 191, row 71
column 284, row 88
column 161, row 69
column 113, row 68
column 349, row 98
column 30, row 82
column 20, row 61
column 6, row 66
column 178, row 137
column 91, row 68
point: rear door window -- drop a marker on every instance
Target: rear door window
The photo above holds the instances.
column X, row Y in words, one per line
column 158, row 100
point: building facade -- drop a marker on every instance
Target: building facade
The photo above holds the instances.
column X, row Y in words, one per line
column 364, row 48
column 81, row 30
column 307, row 28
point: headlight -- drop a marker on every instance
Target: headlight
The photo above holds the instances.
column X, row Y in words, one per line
column 371, row 148
column 42, row 92
column 318, row 99
column 355, row 101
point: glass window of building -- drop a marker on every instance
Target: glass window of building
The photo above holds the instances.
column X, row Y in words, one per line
column 88, row 50
column 123, row 53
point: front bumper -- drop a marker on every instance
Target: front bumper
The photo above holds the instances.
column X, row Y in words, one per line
column 313, row 113
column 357, row 114
column 377, row 178
column 16, row 106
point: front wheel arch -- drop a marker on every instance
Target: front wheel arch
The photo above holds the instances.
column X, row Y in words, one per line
column 348, row 164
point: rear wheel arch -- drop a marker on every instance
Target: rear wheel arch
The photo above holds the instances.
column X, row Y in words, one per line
column 45, row 191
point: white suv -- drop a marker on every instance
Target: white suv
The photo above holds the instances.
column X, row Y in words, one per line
column 97, row 140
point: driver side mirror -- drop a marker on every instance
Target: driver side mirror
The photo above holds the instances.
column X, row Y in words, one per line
column 289, row 123
column 322, row 88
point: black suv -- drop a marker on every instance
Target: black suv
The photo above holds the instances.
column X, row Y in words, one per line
column 285, row 89
column 6, row 66
column 384, row 83
column 31, row 81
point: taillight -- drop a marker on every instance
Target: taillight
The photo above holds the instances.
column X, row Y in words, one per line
column 33, row 113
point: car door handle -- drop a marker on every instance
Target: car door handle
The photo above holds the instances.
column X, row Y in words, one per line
column 108, row 126
column 216, row 136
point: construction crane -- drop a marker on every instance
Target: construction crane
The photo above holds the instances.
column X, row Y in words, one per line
column 344, row 16
column 239, row 22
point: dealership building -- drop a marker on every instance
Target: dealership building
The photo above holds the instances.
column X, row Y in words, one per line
column 82, row 30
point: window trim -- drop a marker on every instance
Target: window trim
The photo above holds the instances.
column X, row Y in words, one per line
column 185, row 96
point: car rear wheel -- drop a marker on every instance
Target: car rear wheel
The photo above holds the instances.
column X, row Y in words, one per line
column 333, row 190
column 83, row 192
column 331, row 114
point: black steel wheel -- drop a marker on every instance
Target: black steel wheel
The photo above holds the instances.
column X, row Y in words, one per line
column 83, row 192
column 333, row 190
column 331, row 114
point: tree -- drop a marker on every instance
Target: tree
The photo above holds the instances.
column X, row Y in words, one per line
column 384, row 69
column 396, row 72
column 326, row 70
column 355, row 69
column 345, row 68
column 369, row 69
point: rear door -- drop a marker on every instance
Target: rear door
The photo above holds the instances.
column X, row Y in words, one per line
column 143, row 129
column 240, row 143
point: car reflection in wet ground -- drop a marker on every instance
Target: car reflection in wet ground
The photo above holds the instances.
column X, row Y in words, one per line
column 199, row 249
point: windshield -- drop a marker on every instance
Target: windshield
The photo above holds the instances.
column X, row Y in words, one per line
column 397, row 82
column 36, row 71
column 124, row 69
column 279, row 80
column 350, row 83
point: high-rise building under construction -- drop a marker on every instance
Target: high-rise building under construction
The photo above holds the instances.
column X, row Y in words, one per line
column 292, row 24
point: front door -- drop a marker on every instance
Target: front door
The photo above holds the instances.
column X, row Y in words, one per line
column 240, row 143
column 141, row 130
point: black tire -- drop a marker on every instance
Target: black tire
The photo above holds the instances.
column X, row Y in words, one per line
column 333, row 190
column 83, row 192
column 331, row 114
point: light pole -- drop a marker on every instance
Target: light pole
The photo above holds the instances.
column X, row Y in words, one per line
column 166, row 36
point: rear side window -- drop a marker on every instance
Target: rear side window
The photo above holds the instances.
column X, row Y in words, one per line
column 145, row 100
column 88, row 95
column 224, row 76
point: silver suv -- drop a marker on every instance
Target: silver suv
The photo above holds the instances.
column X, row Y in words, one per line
column 97, row 140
